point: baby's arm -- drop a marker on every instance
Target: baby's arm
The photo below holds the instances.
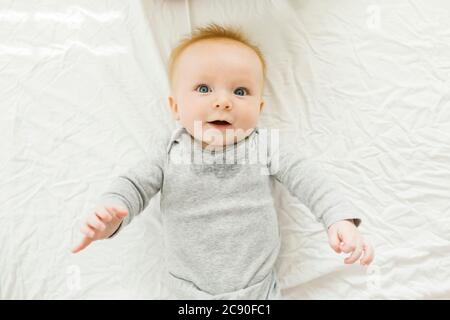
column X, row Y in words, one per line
column 128, row 195
column 134, row 189
column 306, row 180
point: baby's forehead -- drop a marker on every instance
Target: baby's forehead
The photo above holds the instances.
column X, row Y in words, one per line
column 217, row 49
column 218, row 59
column 207, row 55
column 218, row 43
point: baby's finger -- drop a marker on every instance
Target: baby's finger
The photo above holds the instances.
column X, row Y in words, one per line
column 333, row 239
column 121, row 209
column 103, row 214
column 348, row 246
column 118, row 212
column 94, row 222
column 368, row 254
column 87, row 231
column 83, row 244
column 355, row 255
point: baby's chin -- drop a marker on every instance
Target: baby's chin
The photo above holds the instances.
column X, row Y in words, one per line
column 211, row 138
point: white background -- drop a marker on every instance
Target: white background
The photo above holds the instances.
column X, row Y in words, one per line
column 83, row 91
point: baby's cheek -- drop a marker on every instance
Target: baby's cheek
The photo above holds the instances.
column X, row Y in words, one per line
column 198, row 113
column 191, row 117
column 249, row 119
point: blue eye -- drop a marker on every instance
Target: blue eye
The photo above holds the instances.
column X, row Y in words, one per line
column 202, row 88
column 240, row 90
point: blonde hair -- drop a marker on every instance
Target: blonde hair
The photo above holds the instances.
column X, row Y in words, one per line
column 212, row 31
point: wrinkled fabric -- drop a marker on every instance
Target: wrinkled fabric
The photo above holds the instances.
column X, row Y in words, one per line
column 83, row 93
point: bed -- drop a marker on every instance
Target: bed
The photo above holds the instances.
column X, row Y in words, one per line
column 83, row 91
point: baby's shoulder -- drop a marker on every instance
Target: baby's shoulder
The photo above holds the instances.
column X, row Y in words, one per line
column 157, row 143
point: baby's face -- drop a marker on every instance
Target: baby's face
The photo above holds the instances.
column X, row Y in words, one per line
column 217, row 80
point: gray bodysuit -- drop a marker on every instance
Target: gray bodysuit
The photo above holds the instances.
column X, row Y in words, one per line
column 220, row 225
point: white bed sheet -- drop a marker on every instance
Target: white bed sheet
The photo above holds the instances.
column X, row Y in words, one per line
column 83, row 90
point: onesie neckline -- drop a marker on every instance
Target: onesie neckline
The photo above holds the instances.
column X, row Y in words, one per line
column 223, row 149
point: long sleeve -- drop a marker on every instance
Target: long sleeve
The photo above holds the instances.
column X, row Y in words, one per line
column 307, row 180
column 134, row 188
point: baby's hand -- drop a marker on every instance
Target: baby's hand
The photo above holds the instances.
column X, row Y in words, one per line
column 100, row 224
column 345, row 237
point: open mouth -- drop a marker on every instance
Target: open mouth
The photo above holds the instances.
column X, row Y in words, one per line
column 220, row 123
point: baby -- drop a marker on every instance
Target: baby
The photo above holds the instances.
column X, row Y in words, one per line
column 214, row 173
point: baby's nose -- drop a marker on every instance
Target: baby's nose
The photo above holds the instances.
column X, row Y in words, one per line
column 225, row 106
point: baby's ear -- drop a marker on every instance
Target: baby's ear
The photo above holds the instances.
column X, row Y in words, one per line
column 261, row 106
column 173, row 107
